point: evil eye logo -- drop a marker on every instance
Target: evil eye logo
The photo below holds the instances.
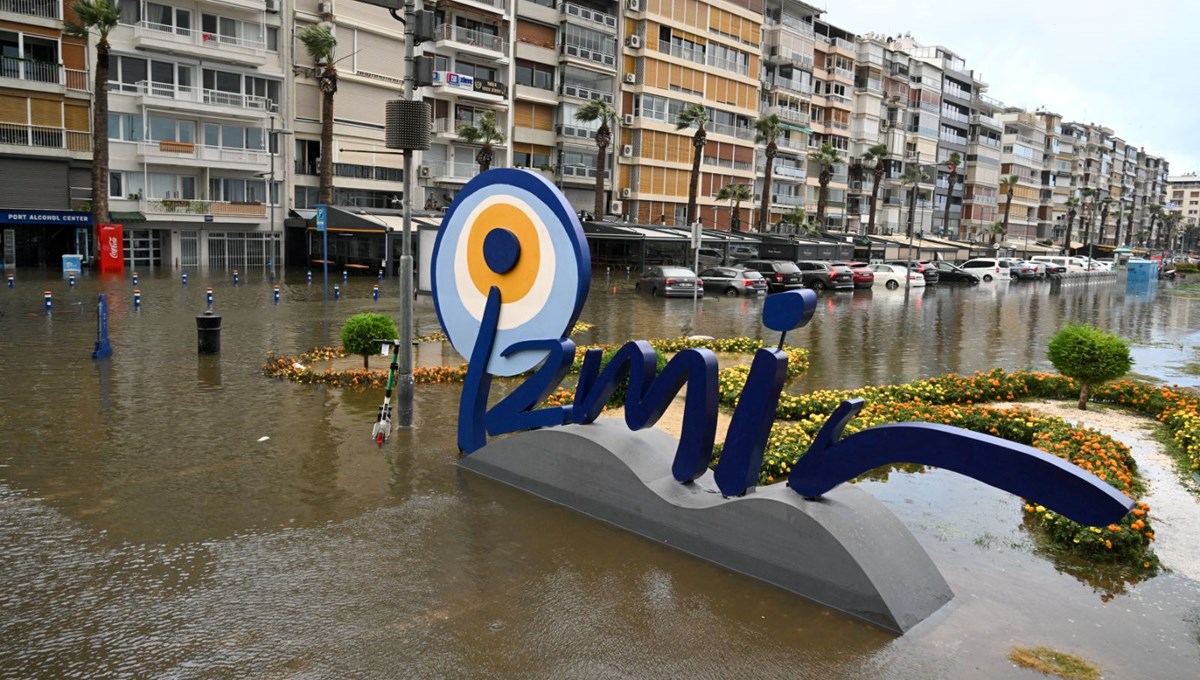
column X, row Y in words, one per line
column 512, row 230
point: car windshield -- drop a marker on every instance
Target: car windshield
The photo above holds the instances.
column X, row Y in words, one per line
column 751, row 275
column 786, row 268
column 676, row 271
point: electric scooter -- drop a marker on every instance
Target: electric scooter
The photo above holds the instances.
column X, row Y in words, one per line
column 383, row 425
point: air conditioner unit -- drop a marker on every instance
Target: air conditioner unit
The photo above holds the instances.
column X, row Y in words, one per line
column 631, row 78
column 634, row 5
column 626, row 192
column 627, row 150
column 614, row 208
column 324, row 8
column 627, row 119
column 633, row 41
column 273, row 6
column 424, row 172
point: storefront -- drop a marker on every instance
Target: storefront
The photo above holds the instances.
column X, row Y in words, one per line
column 39, row 238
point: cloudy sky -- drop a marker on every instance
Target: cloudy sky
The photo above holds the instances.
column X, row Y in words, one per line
column 1131, row 66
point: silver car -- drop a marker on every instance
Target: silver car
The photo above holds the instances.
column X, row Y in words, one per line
column 669, row 281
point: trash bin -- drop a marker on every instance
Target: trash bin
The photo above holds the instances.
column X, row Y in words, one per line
column 208, row 333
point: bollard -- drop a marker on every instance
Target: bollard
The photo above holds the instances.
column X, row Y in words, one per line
column 48, row 296
column 375, row 293
column 185, row 278
column 208, row 296
column 137, row 299
column 208, row 333
column 310, row 277
column 381, row 275
column 103, row 347
column 12, row 280
column 345, row 276
column 235, row 277
column 276, row 294
column 71, row 280
column 135, row 278
column 337, row 293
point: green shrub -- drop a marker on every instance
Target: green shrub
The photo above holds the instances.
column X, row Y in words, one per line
column 1090, row 356
column 1186, row 268
column 617, row 399
column 361, row 331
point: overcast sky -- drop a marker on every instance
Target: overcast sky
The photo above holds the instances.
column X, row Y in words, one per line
column 1131, row 66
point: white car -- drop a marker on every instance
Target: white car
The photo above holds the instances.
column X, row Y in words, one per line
column 891, row 276
column 988, row 268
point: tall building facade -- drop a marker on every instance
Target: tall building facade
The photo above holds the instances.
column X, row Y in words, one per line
column 45, row 134
column 1021, row 156
column 1183, row 201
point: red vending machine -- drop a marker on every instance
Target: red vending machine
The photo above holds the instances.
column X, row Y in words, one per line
column 110, row 247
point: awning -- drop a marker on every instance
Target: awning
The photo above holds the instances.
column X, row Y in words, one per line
column 796, row 128
column 1123, row 250
column 126, row 217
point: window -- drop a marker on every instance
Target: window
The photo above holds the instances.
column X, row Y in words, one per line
column 170, row 130
column 239, row 84
column 523, row 159
column 228, row 31
column 168, row 19
column 535, row 75
column 126, row 184
column 237, row 190
column 126, row 127
column 476, row 71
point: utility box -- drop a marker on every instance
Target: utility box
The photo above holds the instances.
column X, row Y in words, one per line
column 72, row 264
column 1142, row 271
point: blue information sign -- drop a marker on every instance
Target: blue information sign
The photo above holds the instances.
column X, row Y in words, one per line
column 322, row 217
column 49, row 217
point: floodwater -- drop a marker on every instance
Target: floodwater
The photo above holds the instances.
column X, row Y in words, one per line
column 146, row 530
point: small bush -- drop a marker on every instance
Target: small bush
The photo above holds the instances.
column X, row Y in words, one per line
column 1090, row 356
column 361, row 331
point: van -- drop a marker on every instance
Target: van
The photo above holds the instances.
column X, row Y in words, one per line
column 1073, row 264
column 710, row 257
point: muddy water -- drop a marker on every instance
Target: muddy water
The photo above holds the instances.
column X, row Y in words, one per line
column 146, row 530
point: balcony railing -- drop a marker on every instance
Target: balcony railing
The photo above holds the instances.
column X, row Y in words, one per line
column 606, row 54
column 793, row 85
column 455, row 170
column 787, row 199
column 789, row 171
column 47, row 9
column 731, row 65
column 193, row 206
column 44, row 72
column 790, row 115
column 196, row 95
column 980, row 119
column 695, row 54
column 186, row 150
column 471, row 38
column 582, row 171
column 193, row 37
column 581, row 92
column 44, row 137
column 731, row 130
column 589, row 15
column 796, row 24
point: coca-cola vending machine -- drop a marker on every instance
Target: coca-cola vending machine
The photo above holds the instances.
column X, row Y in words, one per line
column 110, row 247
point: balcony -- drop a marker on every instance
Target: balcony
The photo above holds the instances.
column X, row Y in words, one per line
column 790, row 115
column 493, row 6
column 456, row 84
column 599, row 54
column 447, row 171
column 590, row 17
column 980, row 119
column 787, row 199
column 731, row 130
column 471, row 41
column 187, row 208
column 42, row 75
column 150, row 35
column 791, row 85
column 587, row 172
column 191, row 99
column 44, row 138
column 568, row 130
column 45, row 9
column 789, row 171
column 694, row 54
column 585, row 93
column 195, row 155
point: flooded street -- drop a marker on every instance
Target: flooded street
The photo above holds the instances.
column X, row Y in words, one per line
column 147, row 530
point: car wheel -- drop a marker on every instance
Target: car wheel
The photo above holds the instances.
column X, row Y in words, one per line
column 892, row 285
column 987, row 277
column 731, row 292
column 818, row 285
column 654, row 292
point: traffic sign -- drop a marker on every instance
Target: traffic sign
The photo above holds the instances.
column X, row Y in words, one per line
column 322, row 217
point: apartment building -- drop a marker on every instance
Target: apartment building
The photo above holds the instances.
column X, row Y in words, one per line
column 981, row 191
column 45, row 136
column 1183, row 199
column 831, row 110
column 1022, row 155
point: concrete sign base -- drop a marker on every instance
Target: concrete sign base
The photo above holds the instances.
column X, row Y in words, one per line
column 845, row 551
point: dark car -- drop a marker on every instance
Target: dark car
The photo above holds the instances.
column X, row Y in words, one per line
column 863, row 276
column 668, row 282
column 822, row 275
column 930, row 272
column 951, row 273
column 1019, row 269
column 733, row 281
column 780, row 274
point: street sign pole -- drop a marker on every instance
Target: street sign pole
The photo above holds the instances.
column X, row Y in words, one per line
column 322, row 226
column 696, row 259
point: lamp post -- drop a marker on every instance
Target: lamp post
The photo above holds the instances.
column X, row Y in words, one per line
column 273, row 144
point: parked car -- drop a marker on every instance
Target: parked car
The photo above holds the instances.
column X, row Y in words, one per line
column 781, row 275
column 892, row 276
column 988, row 268
column 1018, row 269
column 710, row 257
column 733, row 281
column 739, row 253
column 1072, row 264
column 822, row 275
column 952, row 273
column 668, row 282
column 863, row 276
column 924, row 269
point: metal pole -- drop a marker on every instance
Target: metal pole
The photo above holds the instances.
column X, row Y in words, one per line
column 274, row 245
column 404, row 383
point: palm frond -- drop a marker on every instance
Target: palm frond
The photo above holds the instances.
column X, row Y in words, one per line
column 101, row 16
column 319, row 42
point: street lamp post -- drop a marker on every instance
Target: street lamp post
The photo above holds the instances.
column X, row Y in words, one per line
column 273, row 144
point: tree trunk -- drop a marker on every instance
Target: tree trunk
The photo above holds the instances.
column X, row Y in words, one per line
column 698, row 142
column 603, row 139
column 946, row 214
column 823, row 195
column 878, row 175
column 735, row 216
column 1084, row 393
column 100, row 137
column 1007, row 208
column 366, row 358
column 1129, row 229
column 768, row 179
column 1067, row 240
column 912, row 210
column 484, row 159
column 328, row 89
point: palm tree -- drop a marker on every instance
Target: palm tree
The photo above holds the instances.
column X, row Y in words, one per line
column 101, row 17
column 1156, row 212
column 1007, row 184
column 998, row 229
column 599, row 110
column 694, row 114
column 877, row 154
column 1104, row 205
column 1170, row 223
column 769, row 129
column 1072, row 206
column 735, row 194
column 826, row 158
column 953, row 162
column 485, row 135
column 913, row 176
column 320, row 43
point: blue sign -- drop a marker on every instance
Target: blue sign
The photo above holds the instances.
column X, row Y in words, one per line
column 48, row 217
column 322, row 218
